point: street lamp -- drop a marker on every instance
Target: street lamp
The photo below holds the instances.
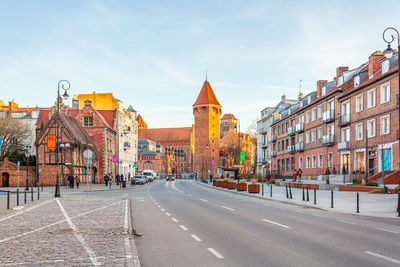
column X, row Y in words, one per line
column 65, row 85
column 28, row 148
column 389, row 53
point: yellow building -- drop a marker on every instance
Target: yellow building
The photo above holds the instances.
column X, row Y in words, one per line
column 100, row 101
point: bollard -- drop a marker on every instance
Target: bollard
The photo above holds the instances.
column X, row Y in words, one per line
column 24, row 196
column 303, row 195
column 315, row 196
column 31, row 193
column 42, row 187
column 290, row 192
column 270, row 190
column 38, row 193
column 17, row 196
column 308, row 199
column 287, row 193
column 8, row 199
column 358, row 203
column 262, row 190
column 331, row 199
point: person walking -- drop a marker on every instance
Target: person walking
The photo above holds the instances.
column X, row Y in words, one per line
column 294, row 175
column 77, row 181
column 110, row 180
column 117, row 178
column 299, row 173
column 106, row 179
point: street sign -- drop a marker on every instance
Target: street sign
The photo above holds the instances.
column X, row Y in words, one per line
column 88, row 154
column 19, row 163
column 0, row 143
column 242, row 156
column 238, row 166
column 212, row 163
column 197, row 169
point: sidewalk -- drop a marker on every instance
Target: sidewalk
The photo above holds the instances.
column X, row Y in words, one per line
column 377, row 205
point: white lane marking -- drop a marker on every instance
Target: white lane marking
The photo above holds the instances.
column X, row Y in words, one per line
column 159, row 206
column 317, row 215
column 175, row 220
column 168, row 214
column 31, row 208
column 279, row 224
column 387, row 230
column 348, row 222
column 195, row 237
column 78, row 236
column 183, row 227
column 163, row 209
column 190, row 195
column 216, row 254
column 202, row 199
column 227, row 208
column 382, row 257
column 128, row 249
column 52, row 224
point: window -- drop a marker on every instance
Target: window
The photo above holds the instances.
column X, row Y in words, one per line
column 292, row 163
column 301, row 138
column 273, row 131
column 283, row 145
column 307, row 137
column 300, row 163
column 279, row 146
column 385, row 124
column 385, row 93
column 308, row 117
column 346, row 108
column 320, row 161
column 287, row 143
column 371, row 98
column 331, row 106
column 307, row 162
column 287, row 126
column 356, row 80
column 319, row 133
column 88, row 121
column 314, row 161
column 346, row 134
column 287, row 165
column 319, row 111
column 330, row 129
column 359, row 103
column 301, row 118
column 385, row 66
column 313, row 135
column 340, row 80
column 330, row 159
column 283, row 128
column 359, row 131
column 323, row 90
column 279, row 130
column 313, row 114
column 371, row 128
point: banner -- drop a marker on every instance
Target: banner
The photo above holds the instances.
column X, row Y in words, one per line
column 51, row 142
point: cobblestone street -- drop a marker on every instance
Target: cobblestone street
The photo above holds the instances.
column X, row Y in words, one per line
column 69, row 231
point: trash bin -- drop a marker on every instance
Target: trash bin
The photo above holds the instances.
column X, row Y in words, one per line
column 327, row 180
column 384, row 190
column 123, row 184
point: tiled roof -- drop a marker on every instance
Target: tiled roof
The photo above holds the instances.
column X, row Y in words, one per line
column 228, row 117
column 206, row 96
column 108, row 116
column 167, row 136
column 141, row 121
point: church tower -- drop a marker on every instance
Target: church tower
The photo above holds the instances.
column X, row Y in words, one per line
column 207, row 112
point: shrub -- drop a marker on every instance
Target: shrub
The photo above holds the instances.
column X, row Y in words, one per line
column 375, row 191
column 327, row 171
column 272, row 180
column 372, row 183
column 363, row 183
column 225, row 179
column 253, row 181
column 242, row 181
column 264, row 180
column 396, row 190
column 357, row 181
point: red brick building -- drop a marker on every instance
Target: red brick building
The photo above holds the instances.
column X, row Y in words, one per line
column 10, row 172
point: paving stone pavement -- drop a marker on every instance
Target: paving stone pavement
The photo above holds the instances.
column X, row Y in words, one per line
column 90, row 232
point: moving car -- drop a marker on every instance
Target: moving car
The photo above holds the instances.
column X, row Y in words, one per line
column 150, row 175
column 138, row 179
column 170, row 177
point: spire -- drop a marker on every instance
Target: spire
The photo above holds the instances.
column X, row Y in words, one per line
column 300, row 96
column 206, row 74
column 206, row 96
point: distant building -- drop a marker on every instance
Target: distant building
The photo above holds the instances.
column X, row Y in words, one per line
column 228, row 122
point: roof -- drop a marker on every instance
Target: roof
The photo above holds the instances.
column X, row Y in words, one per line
column 140, row 120
column 228, row 117
column 168, row 136
column 130, row 108
column 206, row 96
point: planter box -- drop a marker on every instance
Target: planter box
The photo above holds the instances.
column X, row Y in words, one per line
column 254, row 188
column 241, row 187
column 218, row 183
column 224, row 184
column 214, row 181
column 355, row 188
column 231, row 185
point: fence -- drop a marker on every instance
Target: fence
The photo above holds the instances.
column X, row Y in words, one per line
column 14, row 198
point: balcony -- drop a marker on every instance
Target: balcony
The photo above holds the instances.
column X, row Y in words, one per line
column 291, row 130
column 262, row 130
column 273, row 138
column 264, row 144
column 344, row 120
column 291, row 149
column 328, row 116
column 344, row 145
column 273, row 153
column 299, row 147
column 127, row 145
column 300, row 127
column 328, row 140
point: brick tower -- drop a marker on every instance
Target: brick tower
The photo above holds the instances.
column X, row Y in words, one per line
column 206, row 111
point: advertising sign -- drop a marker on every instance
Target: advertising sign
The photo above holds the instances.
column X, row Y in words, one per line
column 242, row 156
column 51, row 142
column 115, row 158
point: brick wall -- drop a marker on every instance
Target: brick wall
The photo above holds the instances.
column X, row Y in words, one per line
column 9, row 174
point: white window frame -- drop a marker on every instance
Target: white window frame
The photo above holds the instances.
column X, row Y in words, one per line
column 344, row 137
column 385, row 118
column 369, row 104
column 300, row 163
column 330, row 159
column 314, row 161
column 359, row 103
column 313, row 135
column 307, row 137
column 385, row 92
column 359, row 131
column 308, row 117
column 370, row 132
column 320, row 133
column 356, row 80
column 320, row 111
column 307, row 162
column 320, row 161
column 313, row 114
column 385, row 65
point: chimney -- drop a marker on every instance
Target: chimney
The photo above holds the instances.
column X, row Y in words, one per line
column 320, row 83
column 340, row 70
column 374, row 63
column 88, row 103
column 283, row 98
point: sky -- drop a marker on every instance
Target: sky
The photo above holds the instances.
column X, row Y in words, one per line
column 153, row 55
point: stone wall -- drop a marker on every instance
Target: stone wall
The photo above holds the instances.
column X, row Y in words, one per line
column 9, row 174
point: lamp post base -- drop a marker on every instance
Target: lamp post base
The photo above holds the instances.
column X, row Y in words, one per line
column 57, row 193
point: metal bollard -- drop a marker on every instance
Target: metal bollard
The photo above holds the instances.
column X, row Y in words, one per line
column 290, row 192
column 31, row 193
column 308, row 198
column 331, row 199
column 8, row 199
column 17, row 196
column 262, row 190
column 42, row 187
column 38, row 193
column 270, row 190
column 315, row 196
column 358, row 203
column 287, row 193
column 303, row 195
column 24, row 196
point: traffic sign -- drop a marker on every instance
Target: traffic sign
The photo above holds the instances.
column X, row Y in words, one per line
column 242, row 156
column 238, row 166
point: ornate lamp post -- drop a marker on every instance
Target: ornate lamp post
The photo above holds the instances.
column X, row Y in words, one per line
column 394, row 34
column 65, row 85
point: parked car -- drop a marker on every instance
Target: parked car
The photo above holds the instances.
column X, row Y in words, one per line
column 138, row 179
column 170, row 177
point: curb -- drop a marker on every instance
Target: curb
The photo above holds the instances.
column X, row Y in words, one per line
column 301, row 205
column 135, row 254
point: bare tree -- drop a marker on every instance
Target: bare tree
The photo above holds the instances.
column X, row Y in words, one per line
column 14, row 134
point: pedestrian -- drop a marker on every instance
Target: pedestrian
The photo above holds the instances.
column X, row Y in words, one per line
column 294, row 175
column 70, row 181
column 110, row 180
column 77, row 181
column 117, row 178
column 106, row 179
column 121, row 178
column 299, row 173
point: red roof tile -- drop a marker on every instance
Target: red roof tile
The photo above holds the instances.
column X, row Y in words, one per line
column 228, row 117
column 168, row 136
column 206, row 96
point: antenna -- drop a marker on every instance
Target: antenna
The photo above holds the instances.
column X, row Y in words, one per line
column 300, row 84
column 206, row 74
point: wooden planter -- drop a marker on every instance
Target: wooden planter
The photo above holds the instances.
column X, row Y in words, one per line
column 241, row 187
column 214, row 181
column 254, row 188
column 231, row 185
column 218, row 183
column 224, row 184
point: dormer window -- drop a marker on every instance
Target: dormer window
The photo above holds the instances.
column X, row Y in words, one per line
column 385, row 65
column 323, row 90
column 356, row 80
column 340, row 80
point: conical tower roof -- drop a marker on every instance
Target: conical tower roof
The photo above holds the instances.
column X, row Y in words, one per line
column 206, row 96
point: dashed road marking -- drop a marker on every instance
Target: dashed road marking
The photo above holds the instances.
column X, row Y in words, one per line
column 348, row 222
column 387, row 230
column 227, row 208
column 195, row 237
column 279, row 224
column 175, row 220
column 168, row 214
column 202, row 199
column 317, row 215
column 183, row 227
column 163, row 209
column 382, row 257
column 216, row 254
column 190, row 195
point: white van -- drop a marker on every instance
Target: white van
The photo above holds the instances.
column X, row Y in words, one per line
column 150, row 174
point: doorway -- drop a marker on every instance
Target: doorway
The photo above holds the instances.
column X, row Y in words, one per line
column 5, row 179
column 371, row 166
column 387, row 159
